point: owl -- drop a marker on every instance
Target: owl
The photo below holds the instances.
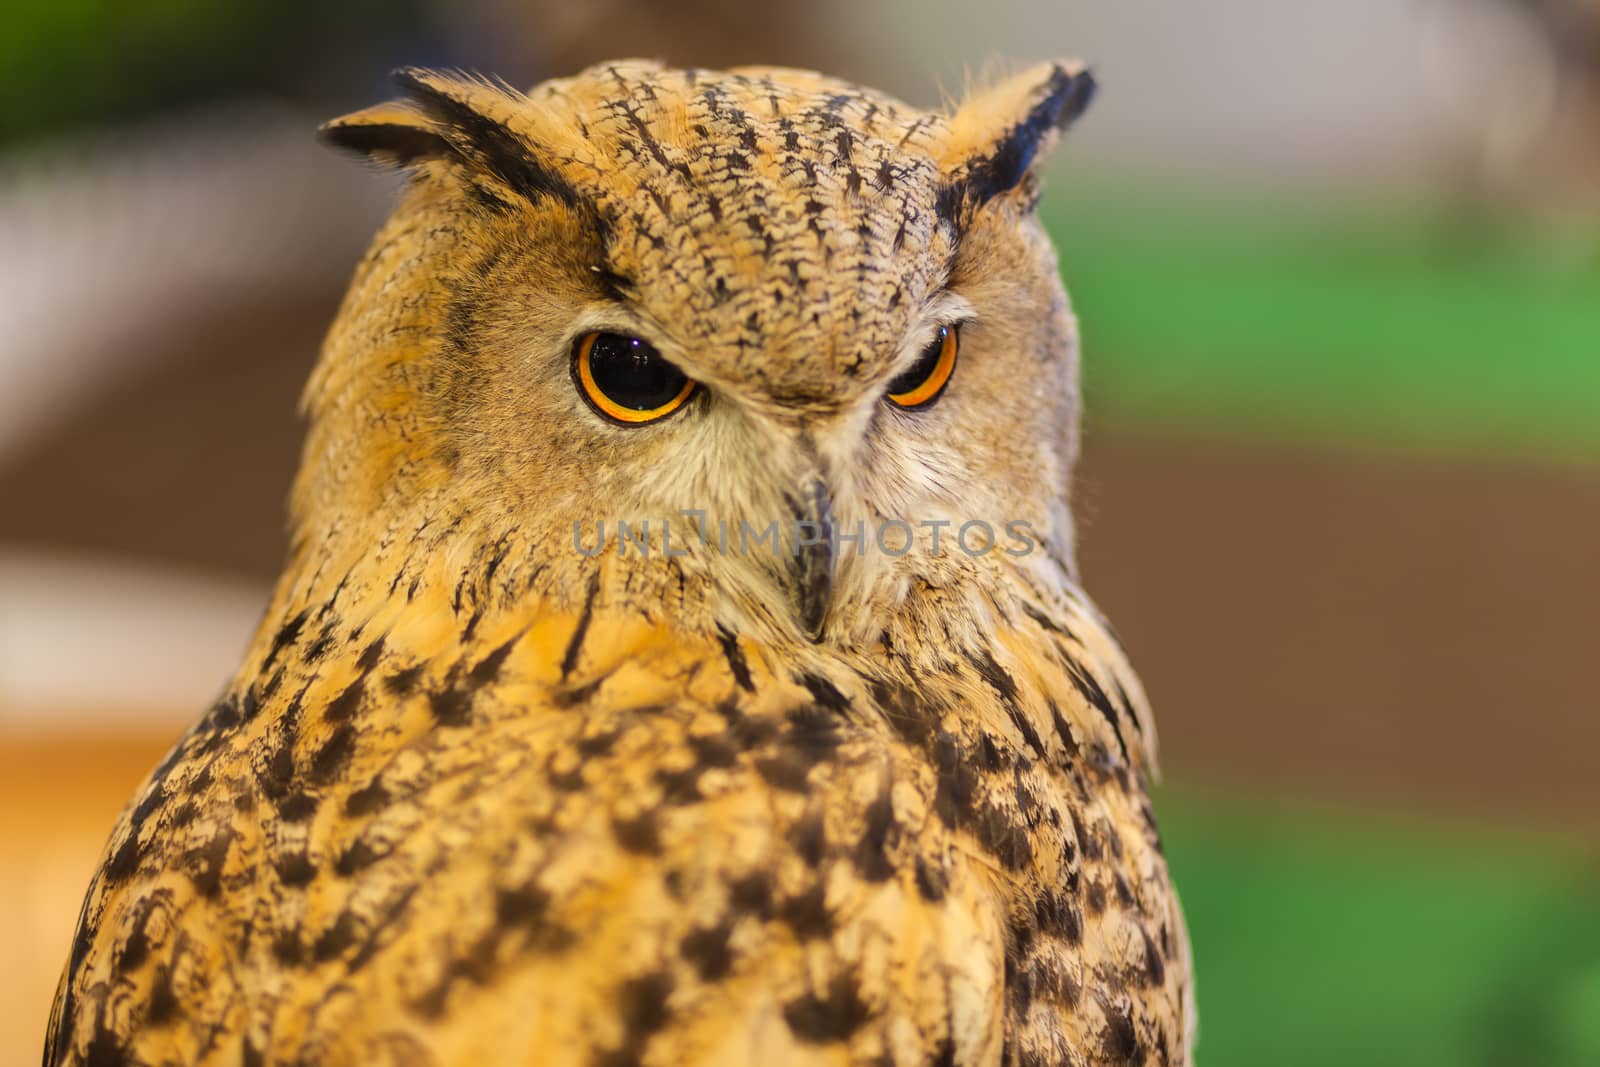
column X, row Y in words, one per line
column 680, row 656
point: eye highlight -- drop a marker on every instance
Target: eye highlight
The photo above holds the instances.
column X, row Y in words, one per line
column 626, row 380
column 921, row 383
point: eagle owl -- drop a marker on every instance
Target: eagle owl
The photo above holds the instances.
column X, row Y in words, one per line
column 680, row 656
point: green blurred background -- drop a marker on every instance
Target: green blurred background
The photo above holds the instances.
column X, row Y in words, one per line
column 1338, row 270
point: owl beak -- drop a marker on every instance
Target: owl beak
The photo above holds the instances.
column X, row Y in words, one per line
column 813, row 556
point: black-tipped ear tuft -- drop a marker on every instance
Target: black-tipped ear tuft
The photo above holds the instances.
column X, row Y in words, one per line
column 998, row 135
column 1066, row 97
column 456, row 117
column 386, row 134
column 472, row 115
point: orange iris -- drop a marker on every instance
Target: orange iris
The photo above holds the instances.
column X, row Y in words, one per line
column 925, row 380
column 626, row 380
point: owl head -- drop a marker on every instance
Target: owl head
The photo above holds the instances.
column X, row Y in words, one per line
column 753, row 348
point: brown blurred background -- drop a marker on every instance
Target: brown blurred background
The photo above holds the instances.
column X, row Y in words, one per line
column 1338, row 265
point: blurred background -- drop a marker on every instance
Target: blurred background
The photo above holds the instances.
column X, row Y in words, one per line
column 1338, row 266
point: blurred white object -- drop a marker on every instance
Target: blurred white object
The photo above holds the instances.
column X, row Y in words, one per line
column 87, row 642
column 119, row 237
column 1495, row 77
column 1333, row 92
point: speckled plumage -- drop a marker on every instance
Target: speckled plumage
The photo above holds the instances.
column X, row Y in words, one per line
column 477, row 795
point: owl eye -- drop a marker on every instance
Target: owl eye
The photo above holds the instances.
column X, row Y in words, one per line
column 626, row 380
column 921, row 383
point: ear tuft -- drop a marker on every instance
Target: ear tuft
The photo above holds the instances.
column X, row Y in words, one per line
column 997, row 135
column 455, row 97
column 461, row 117
column 393, row 134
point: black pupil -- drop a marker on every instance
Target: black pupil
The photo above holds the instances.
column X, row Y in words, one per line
column 922, row 369
column 632, row 373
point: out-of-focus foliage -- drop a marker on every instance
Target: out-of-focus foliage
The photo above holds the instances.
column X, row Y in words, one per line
column 1373, row 326
column 67, row 64
column 1326, row 939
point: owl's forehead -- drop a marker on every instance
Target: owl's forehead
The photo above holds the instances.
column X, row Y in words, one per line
column 769, row 113
column 767, row 210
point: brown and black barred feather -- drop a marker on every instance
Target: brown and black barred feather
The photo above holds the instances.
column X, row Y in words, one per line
column 475, row 797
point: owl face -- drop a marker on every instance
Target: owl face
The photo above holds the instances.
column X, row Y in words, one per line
column 783, row 348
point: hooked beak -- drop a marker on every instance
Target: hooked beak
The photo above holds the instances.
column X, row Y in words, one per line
column 814, row 560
